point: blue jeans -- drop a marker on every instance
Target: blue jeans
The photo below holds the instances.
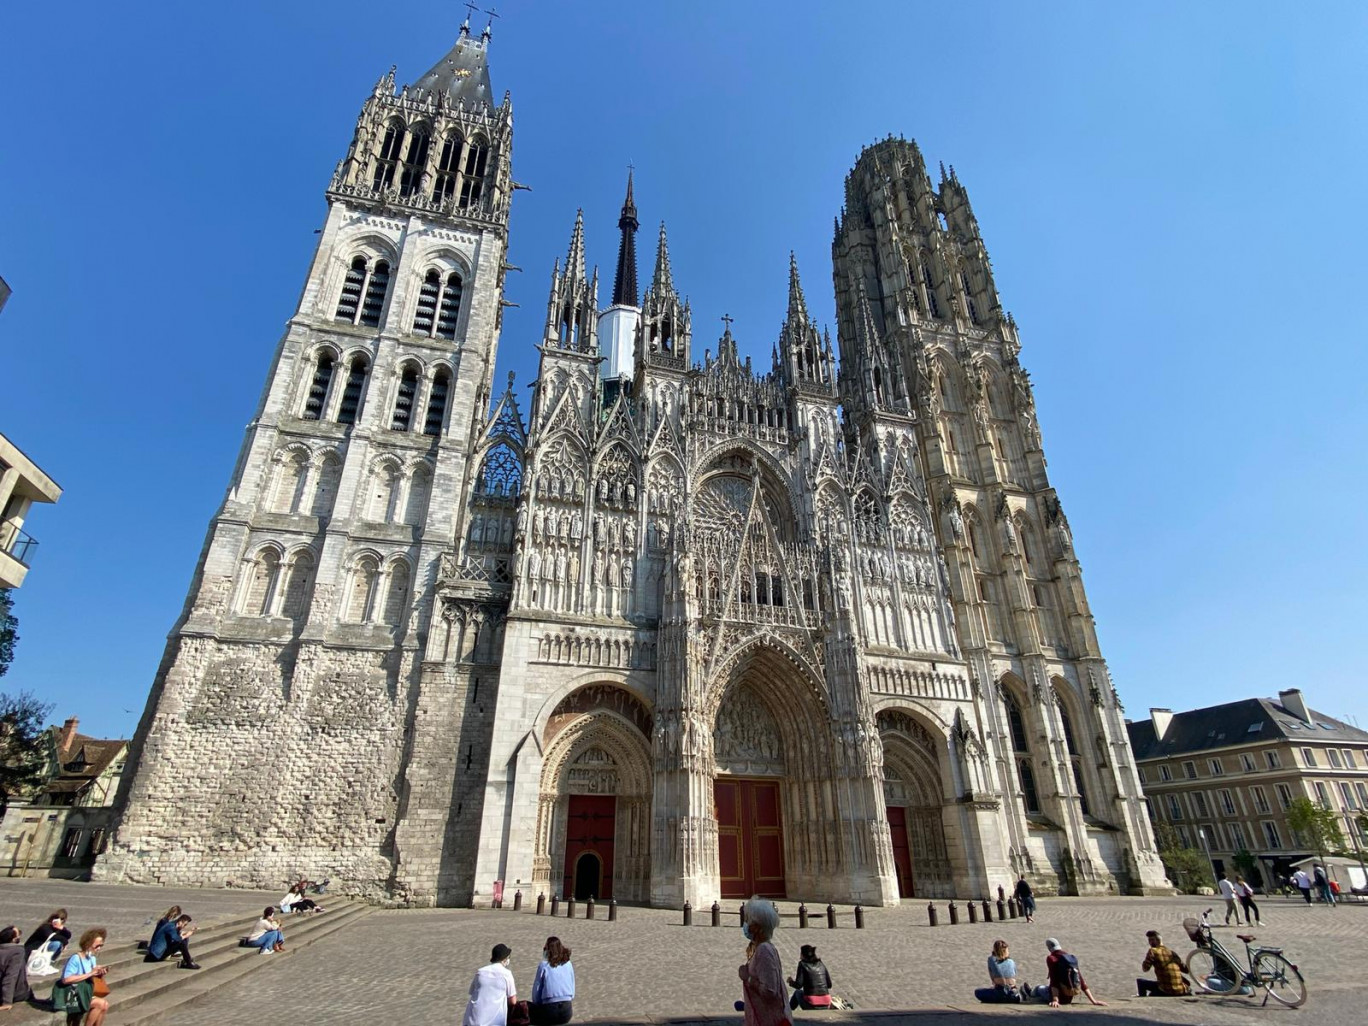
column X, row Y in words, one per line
column 997, row 995
column 269, row 939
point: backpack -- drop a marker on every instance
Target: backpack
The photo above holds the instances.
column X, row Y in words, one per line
column 1072, row 976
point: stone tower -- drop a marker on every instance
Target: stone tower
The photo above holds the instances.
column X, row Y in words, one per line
column 287, row 728
column 920, row 319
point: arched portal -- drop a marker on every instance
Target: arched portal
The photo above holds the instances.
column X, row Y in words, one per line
column 593, row 816
column 914, row 797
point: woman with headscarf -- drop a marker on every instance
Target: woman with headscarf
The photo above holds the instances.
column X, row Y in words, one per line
column 762, row 975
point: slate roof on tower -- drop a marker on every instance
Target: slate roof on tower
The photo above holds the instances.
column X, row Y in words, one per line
column 463, row 74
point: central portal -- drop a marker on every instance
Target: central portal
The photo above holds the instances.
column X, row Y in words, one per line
column 750, row 841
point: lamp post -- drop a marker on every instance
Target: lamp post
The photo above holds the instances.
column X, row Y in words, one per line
column 1206, row 846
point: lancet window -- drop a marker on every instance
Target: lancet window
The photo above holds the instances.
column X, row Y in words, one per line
column 439, row 305
column 316, row 400
column 448, row 169
column 405, row 398
column 350, row 407
column 388, row 159
column 415, row 161
column 472, row 182
column 437, row 402
column 363, row 292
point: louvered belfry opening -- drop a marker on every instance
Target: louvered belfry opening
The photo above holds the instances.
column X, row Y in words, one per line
column 450, row 308
column 350, row 406
column 376, row 288
column 350, row 301
column 437, row 400
column 404, row 400
column 318, row 388
column 428, row 295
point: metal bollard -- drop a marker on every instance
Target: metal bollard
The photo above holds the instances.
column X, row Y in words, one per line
column 1002, row 895
column 612, row 910
column 859, row 917
column 802, row 917
column 987, row 911
column 688, row 914
column 954, row 914
column 541, row 903
column 741, row 914
column 555, row 905
column 716, row 914
column 570, row 907
column 589, row 908
column 517, row 901
column 973, row 911
column 931, row 913
column 1002, row 909
column 831, row 917
column 1011, row 907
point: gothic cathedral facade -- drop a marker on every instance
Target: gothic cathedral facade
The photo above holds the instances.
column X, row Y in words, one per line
column 690, row 630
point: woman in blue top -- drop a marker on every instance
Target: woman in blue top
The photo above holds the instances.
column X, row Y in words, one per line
column 553, row 988
column 74, row 992
column 1002, row 971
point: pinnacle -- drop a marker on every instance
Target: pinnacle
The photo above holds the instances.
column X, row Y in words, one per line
column 574, row 260
column 662, row 283
column 797, row 303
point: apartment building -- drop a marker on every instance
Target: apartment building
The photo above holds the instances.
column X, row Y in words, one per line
column 1224, row 777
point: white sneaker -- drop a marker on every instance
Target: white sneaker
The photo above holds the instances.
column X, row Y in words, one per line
column 267, row 951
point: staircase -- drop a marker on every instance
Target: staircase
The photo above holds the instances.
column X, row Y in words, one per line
column 141, row 991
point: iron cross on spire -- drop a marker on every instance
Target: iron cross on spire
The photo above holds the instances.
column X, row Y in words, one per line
column 727, row 320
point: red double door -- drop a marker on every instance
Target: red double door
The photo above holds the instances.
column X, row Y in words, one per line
column 750, row 838
column 902, row 852
column 591, row 824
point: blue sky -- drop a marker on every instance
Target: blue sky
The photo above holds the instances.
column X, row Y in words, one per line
column 1172, row 196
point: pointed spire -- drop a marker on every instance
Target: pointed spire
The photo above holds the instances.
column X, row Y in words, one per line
column 625, row 281
column 574, row 260
column 797, row 304
column 662, row 282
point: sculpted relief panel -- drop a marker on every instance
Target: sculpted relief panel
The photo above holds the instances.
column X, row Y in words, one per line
column 746, row 738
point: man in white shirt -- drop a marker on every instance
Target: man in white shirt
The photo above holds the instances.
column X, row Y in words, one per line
column 1232, row 906
column 492, row 991
column 1302, row 882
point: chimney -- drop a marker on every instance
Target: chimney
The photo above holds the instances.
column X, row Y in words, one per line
column 1161, row 718
column 1293, row 702
column 65, row 736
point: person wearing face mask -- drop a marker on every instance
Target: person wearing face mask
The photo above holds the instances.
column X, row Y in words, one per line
column 492, row 991
column 762, row 975
column 553, row 988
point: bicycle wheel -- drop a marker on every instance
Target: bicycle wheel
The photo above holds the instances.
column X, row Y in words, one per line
column 1280, row 978
column 1211, row 974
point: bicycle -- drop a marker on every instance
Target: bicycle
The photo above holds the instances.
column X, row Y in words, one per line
column 1215, row 970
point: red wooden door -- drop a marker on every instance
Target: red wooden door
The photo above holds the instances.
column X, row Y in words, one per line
column 591, row 823
column 750, row 838
column 902, row 852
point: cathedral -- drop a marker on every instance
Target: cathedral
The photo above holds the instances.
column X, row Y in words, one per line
column 684, row 628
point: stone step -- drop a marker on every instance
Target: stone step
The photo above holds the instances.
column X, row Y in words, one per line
column 168, row 1005
column 135, row 982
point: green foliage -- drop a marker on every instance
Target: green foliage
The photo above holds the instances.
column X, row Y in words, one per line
column 9, row 630
column 1318, row 825
column 1247, row 864
column 1187, row 867
column 23, row 744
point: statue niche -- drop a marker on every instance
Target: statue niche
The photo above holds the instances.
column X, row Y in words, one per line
column 746, row 739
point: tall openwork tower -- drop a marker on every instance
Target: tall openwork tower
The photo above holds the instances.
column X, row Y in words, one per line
column 916, row 299
column 285, row 728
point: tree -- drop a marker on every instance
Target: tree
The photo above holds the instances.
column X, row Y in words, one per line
column 1187, row 867
column 1248, row 866
column 9, row 630
column 1317, row 824
column 23, row 744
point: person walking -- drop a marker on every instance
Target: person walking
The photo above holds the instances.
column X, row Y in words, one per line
column 14, row 985
column 1246, row 895
column 1228, row 893
column 1025, row 899
column 1066, row 978
column 553, row 986
column 1002, row 973
column 1322, row 881
column 1303, row 883
column 492, row 991
column 74, row 992
column 267, row 934
column 1168, row 971
column 762, row 974
column 811, row 981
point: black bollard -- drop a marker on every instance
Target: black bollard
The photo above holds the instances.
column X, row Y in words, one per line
column 831, row 917
column 688, row 914
column 1011, row 907
column 517, row 901
column 570, row 907
column 716, row 914
column 973, row 911
column 1002, row 895
column 612, row 910
column 1002, row 910
column 741, row 914
column 589, row 908
column 541, row 903
column 859, row 917
column 954, row 914
column 555, row 905
column 931, row 913
column 802, row 917
column 987, row 911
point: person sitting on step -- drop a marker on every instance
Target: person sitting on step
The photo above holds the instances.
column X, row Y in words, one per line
column 267, row 935
column 812, row 981
column 14, row 985
column 172, row 938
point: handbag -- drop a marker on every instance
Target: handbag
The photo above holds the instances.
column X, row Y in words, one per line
column 40, row 963
column 72, row 998
column 99, row 987
column 519, row 1014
